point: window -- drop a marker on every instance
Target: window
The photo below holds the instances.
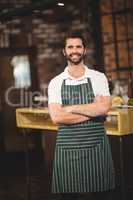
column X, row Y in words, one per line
column 21, row 71
column 117, row 36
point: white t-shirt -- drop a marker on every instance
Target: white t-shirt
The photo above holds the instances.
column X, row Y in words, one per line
column 98, row 80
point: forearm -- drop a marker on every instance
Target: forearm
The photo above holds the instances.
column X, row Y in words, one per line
column 70, row 118
column 63, row 117
column 93, row 109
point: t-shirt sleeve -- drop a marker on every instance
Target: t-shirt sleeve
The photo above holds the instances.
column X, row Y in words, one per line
column 54, row 91
column 102, row 86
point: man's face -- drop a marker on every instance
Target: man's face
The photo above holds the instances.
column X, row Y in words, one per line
column 74, row 50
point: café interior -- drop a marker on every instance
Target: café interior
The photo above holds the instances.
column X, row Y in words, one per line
column 31, row 37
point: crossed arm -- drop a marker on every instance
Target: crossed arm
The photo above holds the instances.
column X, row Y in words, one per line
column 79, row 113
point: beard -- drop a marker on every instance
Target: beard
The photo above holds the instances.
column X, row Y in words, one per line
column 75, row 58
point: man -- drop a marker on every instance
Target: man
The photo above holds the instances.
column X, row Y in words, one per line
column 78, row 99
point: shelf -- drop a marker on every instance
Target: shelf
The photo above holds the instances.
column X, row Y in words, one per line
column 118, row 122
column 34, row 118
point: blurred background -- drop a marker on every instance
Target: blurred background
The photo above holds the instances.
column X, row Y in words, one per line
column 31, row 37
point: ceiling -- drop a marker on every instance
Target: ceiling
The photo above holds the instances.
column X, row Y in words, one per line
column 9, row 11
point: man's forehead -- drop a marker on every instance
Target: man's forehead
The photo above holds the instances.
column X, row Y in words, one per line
column 74, row 41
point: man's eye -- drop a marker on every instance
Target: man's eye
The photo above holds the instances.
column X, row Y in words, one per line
column 70, row 47
column 79, row 47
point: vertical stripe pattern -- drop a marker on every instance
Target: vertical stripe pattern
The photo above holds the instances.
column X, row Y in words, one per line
column 83, row 161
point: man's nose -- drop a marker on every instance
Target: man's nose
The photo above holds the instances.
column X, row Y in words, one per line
column 74, row 50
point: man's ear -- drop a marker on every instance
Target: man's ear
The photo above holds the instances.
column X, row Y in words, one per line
column 63, row 51
column 85, row 51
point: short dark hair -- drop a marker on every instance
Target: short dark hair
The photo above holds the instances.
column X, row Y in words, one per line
column 75, row 35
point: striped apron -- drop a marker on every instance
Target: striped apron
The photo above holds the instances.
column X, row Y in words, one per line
column 83, row 161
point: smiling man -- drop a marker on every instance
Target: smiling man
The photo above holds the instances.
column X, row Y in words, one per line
column 78, row 101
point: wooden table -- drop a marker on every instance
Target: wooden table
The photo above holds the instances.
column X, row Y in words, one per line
column 119, row 121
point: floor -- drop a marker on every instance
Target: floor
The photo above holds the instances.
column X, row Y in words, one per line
column 13, row 179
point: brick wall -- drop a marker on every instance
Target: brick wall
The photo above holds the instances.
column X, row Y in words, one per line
column 46, row 30
column 118, row 42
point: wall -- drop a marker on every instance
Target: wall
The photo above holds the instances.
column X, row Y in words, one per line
column 117, row 34
column 46, row 30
